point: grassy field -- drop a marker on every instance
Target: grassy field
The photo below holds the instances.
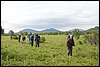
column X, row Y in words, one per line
column 51, row 53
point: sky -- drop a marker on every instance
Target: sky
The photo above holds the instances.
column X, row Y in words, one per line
column 40, row 15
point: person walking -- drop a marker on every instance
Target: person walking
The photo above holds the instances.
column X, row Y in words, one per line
column 31, row 39
column 23, row 39
column 19, row 37
column 28, row 36
column 37, row 40
column 11, row 37
column 70, row 44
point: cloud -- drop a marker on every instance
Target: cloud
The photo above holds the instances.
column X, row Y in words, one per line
column 62, row 15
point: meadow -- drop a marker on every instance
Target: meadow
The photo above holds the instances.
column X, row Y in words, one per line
column 52, row 52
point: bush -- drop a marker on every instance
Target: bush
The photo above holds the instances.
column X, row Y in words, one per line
column 42, row 39
column 15, row 37
column 92, row 37
column 80, row 42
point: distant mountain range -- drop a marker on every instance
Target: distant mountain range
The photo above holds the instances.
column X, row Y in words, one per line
column 55, row 30
column 35, row 31
column 29, row 30
column 50, row 30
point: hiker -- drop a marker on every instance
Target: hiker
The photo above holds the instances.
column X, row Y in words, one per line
column 37, row 40
column 70, row 43
column 19, row 37
column 31, row 39
column 23, row 39
column 28, row 36
column 11, row 37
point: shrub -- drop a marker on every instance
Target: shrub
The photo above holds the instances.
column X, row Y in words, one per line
column 15, row 37
column 92, row 37
column 42, row 39
column 80, row 42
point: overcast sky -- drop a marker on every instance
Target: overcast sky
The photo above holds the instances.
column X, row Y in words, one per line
column 40, row 15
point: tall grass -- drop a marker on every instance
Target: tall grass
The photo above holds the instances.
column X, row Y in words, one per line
column 53, row 52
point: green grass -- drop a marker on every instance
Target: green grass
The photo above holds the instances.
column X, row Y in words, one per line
column 51, row 53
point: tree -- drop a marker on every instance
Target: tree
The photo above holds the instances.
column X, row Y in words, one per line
column 21, row 33
column 2, row 30
column 25, row 33
column 96, row 27
column 66, row 33
column 30, row 33
column 11, row 33
column 76, row 33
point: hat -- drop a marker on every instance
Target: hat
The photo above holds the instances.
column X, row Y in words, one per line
column 69, row 36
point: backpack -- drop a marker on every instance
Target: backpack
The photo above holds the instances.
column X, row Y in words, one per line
column 31, row 37
column 70, row 43
column 37, row 38
column 23, row 37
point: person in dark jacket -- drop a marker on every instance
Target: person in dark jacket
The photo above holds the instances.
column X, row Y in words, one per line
column 31, row 39
column 37, row 40
column 28, row 36
column 11, row 37
column 70, row 44
column 23, row 39
column 19, row 37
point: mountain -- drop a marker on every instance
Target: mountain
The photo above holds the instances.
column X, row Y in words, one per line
column 50, row 30
column 31, row 30
column 96, row 29
column 55, row 30
column 28, row 30
column 74, row 29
